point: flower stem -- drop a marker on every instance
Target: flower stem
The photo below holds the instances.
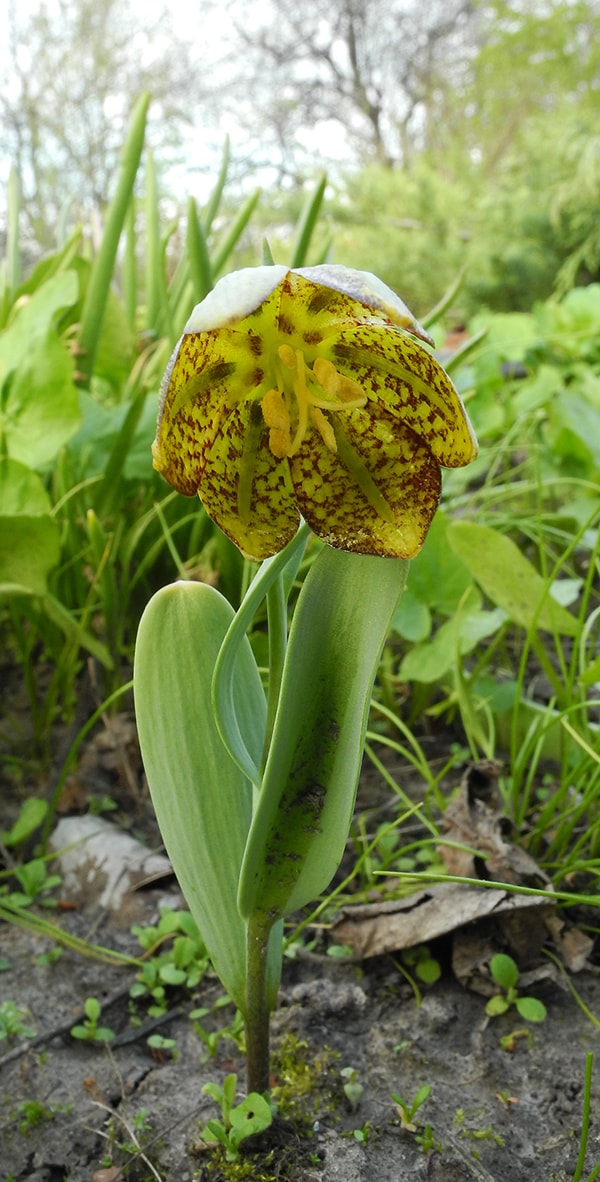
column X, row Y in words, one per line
column 257, row 1009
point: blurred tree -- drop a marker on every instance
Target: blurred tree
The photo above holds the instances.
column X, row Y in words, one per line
column 362, row 73
column 73, row 72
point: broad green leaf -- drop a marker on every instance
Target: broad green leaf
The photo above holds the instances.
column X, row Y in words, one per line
column 341, row 621
column 412, row 618
column 40, row 409
column 202, row 801
column 453, row 640
column 34, row 319
column 29, row 548
column 508, row 579
column 21, row 491
column 436, row 577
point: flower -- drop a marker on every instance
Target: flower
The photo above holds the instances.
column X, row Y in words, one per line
column 307, row 393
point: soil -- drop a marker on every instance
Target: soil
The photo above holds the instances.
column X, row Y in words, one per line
column 493, row 1114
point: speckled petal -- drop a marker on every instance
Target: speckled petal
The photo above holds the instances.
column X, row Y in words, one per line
column 400, row 376
column 245, row 489
column 377, row 495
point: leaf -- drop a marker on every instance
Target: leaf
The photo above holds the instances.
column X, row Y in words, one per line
column 40, row 409
column 202, row 800
column 496, row 1005
column 29, row 819
column 299, row 830
column 531, row 1009
column 504, row 970
column 34, row 320
column 21, row 491
column 508, row 578
column 252, row 1116
column 454, row 639
column 29, row 548
column 437, row 578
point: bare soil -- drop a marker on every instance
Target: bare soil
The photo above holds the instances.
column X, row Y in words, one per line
column 493, row 1115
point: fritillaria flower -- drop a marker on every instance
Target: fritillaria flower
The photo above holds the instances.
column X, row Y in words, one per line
column 309, row 393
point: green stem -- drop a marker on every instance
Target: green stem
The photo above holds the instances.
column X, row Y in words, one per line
column 257, row 1009
column 277, row 623
column 585, row 1122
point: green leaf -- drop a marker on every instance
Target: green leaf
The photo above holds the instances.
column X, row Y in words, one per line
column 508, row 578
column 41, row 405
column 29, row 819
column 412, row 618
column 531, row 1009
column 496, row 1005
column 252, row 1116
column 437, row 578
column 35, row 319
column 21, row 491
column 454, row 639
column 504, row 970
column 97, row 293
column 203, row 802
column 301, row 824
column 29, row 548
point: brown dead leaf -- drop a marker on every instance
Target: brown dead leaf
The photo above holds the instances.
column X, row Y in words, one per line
column 473, row 818
column 374, row 929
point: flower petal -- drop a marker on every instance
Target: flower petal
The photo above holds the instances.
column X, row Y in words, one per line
column 234, row 297
column 401, row 376
column 377, row 495
column 245, row 489
column 368, row 290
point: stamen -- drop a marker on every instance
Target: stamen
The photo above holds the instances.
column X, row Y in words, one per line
column 313, row 391
column 277, row 418
column 321, row 422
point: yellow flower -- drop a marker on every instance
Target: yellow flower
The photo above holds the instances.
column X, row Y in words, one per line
column 308, row 393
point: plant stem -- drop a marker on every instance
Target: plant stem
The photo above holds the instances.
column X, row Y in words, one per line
column 257, row 1009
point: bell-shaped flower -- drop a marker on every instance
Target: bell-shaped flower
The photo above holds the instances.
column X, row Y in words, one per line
column 308, row 393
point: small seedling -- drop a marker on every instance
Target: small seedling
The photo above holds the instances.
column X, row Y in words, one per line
column 240, row 1121
column 353, row 1090
column 90, row 1031
column 12, row 1021
column 426, row 967
column 506, row 974
column 362, row 1135
column 407, row 1109
column 233, row 1030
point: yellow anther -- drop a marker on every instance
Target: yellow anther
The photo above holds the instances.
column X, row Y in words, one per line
column 287, row 355
column 342, row 390
column 277, row 418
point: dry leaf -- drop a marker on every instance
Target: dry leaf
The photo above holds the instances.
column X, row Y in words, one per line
column 374, row 929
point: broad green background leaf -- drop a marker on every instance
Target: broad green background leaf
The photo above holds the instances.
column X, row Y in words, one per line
column 21, row 490
column 508, row 579
column 40, row 407
column 453, row 640
column 29, row 548
column 437, row 577
column 203, row 802
column 34, row 318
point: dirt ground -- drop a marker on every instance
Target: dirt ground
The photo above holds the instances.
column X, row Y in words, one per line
column 75, row 1110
